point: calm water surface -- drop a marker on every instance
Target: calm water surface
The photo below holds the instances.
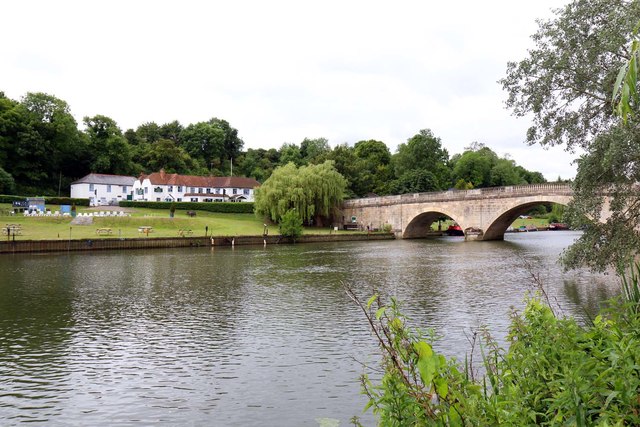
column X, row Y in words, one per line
column 249, row 336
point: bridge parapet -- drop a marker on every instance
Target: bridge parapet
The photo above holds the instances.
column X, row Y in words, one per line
column 460, row 195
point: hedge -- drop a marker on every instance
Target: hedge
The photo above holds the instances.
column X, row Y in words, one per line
column 48, row 200
column 220, row 207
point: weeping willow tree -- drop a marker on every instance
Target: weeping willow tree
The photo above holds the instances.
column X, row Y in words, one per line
column 313, row 191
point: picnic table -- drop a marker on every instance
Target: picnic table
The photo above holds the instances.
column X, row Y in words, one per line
column 185, row 232
column 103, row 231
column 12, row 229
column 145, row 229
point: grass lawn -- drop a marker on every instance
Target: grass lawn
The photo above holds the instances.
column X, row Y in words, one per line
column 219, row 224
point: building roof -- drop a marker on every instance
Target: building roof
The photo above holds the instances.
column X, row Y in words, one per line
column 101, row 178
column 162, row 178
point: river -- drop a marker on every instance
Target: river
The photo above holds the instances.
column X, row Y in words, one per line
column 249, row 336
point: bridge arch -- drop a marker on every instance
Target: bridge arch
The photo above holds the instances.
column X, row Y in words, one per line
column 420, row 225
column 499, row 224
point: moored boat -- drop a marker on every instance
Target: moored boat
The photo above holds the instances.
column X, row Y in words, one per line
column 454, row 230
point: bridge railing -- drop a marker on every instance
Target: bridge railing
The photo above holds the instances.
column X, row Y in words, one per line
column 453, row 195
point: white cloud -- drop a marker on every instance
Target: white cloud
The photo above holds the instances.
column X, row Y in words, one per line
column 283, row 70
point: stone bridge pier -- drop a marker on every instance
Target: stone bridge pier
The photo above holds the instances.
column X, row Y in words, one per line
column 483, row 214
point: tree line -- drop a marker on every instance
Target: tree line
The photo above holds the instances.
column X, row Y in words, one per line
column 42, row 150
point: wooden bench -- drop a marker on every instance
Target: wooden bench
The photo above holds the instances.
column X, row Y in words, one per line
column 351, row 226
column 103, row 231
column 185, row 232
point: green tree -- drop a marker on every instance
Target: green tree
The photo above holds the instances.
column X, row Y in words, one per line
column 414, row 181
column 373, row 167
column 566, row 85
column 149, row 132
column 291, row 224
column 204, row 141
column 424, row 152
column 258, row 163
column 314, row 191
column 346, row 163
column 231, row 143
column 504, row 172
column 171, row 131
column 110, row 151
column 166, row 154
column 474, row 166
column 290, row 153
column 314, row 151
column 7, row 183
column 44, row 142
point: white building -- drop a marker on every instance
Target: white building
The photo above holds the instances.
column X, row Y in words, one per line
column 171, row 187
column 102, row 189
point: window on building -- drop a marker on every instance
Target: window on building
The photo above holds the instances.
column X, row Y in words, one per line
column 92, row 187
column 157, row 199
column 180, row 188
column 179, row 199
column 108, row 188
column 193, row 190
column 208, row 191
column 235, row 191
column 194, row 199
column 146, row 190
column 246, row 191
column 217, row 191
column 124, row 189
column 170, row 188
column 199, row 190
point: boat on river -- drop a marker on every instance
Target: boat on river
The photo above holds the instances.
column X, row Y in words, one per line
column 558, row 226
column 454, row 230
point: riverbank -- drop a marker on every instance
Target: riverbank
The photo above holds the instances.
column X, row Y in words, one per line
column 35, row 246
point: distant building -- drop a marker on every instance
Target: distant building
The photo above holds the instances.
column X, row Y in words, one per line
column 103, row 189
column 170, row 187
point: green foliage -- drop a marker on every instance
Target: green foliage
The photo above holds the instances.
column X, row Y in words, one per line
column 555, row 371
column 314, row 151
column 110, row 152
column 566, row 80
column 66, row 201
column 461, row 184
column 481, row 167
column 220, row 207
column 290, row 224
column 625, row 91
column 414, row 181
column 313, row 191
column 423, row 152
column 566, row 84
column 7, row 183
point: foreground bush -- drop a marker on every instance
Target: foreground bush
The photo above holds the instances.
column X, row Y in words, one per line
column 555, row 371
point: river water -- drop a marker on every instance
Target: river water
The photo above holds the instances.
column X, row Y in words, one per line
column 249, row 336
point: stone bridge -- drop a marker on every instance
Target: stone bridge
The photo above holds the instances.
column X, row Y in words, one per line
column 483, row 214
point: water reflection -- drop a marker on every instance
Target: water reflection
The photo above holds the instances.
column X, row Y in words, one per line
column 249, row 336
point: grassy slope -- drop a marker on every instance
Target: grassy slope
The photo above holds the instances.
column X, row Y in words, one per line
column 219, row 224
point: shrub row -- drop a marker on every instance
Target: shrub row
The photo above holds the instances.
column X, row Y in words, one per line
column 48, row 200
column 220, row 207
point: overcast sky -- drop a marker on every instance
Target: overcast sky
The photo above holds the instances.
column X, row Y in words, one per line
column 280, row 71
